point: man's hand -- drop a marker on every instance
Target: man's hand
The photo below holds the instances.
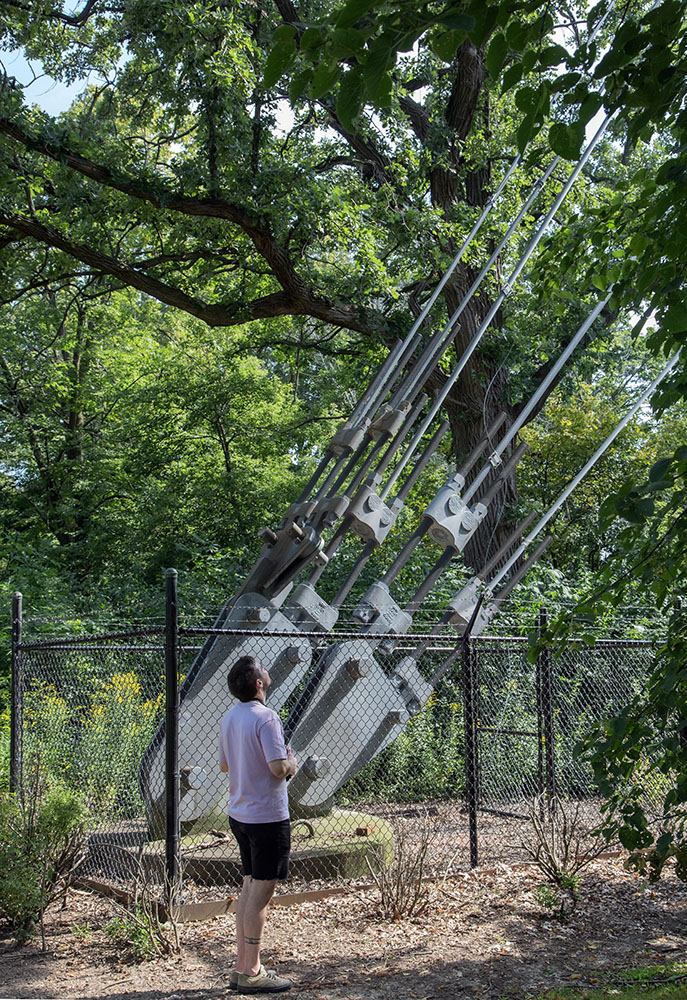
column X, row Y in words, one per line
column 291, row 762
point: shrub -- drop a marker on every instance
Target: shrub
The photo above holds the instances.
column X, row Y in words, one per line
column 94, row 745
column 41, row 838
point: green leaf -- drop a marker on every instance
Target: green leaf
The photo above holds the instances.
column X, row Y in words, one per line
column 324, row 78
column 526, row 130
column 629, row 837
column 529, row 60
column 352, row 11
column 496, row 54
column 457, row 21
column 300, row 84
column 516, row 35
column 445, row 45
column 512, row 76
column 347, row 42
column 566, row 140
column 281, row 55
column 311, row 38
column 658, row 469
column 565, row 82
column 526, row 100
column 638, row 244
column 552, row 55
column 349, row 98
column 589, row 107
column 375, row 68
column 485, row 17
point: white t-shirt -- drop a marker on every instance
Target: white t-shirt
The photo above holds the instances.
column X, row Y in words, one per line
column 250, row 735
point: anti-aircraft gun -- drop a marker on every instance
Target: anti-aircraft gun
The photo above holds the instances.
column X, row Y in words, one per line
column 346, row 705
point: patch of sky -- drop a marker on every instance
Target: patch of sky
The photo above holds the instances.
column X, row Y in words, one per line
column 39, row 88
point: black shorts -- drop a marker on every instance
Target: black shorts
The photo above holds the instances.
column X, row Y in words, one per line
column 265, row 848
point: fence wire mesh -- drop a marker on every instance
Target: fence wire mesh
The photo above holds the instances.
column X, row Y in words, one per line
column 444, row 753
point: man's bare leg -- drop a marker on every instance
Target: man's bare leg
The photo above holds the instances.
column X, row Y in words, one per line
column 240, row 907
column 251, row 913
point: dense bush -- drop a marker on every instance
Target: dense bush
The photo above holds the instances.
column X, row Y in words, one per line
column 93, row 741
column 40, row 842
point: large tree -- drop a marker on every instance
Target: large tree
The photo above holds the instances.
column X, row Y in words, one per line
column 188, row 176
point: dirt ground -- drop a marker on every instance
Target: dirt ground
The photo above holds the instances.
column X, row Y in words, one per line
column 482, row 935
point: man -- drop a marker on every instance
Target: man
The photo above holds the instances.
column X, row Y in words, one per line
column 252, row 750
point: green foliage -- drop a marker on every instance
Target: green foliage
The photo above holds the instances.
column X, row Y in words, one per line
column 40, row 842
column 132, row 930
column 92, row 734
column 548, row 897
column 645, row 743
column 650, row 982
column 426, row 761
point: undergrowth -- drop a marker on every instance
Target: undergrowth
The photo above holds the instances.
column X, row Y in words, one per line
column 649, row 982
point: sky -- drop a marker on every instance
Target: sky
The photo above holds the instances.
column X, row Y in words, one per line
column 50, row 95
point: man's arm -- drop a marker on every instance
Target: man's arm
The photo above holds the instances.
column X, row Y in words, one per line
column 283, row 767
column 223, row 766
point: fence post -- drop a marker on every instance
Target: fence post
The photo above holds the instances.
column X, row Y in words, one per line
column 545, row 684
column 471, row 748
column 17, row 691
column 172, row 826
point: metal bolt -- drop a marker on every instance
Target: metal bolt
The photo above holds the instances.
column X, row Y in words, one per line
column 258, row 616
column 365, row 614
column 454, row 503
column 356, row 667
column 192, row 777
column 468, row 520
column 315, row 767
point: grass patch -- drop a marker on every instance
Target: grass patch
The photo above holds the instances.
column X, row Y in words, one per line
column 648, row 982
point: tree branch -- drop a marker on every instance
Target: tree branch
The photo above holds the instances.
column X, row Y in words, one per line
column 217, row 208
column 75, row 20
column 280, row 303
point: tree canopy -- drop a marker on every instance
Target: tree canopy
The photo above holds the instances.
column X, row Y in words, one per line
column 305, row 173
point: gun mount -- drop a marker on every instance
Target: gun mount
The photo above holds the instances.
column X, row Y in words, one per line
column 346, row 703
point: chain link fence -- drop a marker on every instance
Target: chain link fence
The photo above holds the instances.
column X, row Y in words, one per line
column 445, row 744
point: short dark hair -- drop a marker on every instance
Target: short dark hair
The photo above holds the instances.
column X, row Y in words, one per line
column 242, row 678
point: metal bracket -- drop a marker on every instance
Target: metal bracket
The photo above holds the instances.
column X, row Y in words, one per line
column 330, row 509
column 309, row 612
column 453, row 522
column 388, row 420
column 463, row 612
column 370, row 516
column 348, row 437
column 377, row 611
